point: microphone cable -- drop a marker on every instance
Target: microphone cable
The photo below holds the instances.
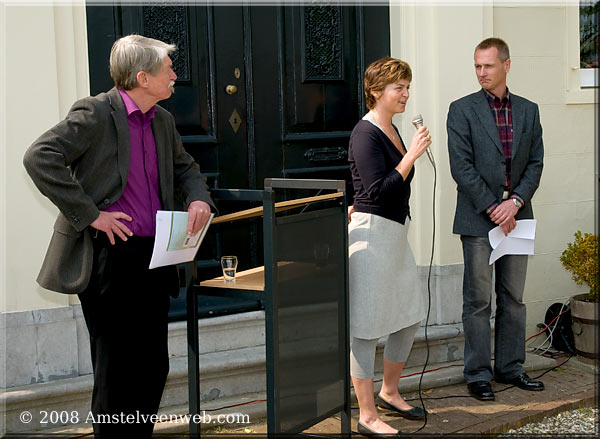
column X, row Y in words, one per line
column 432, row 161
column 466, row 395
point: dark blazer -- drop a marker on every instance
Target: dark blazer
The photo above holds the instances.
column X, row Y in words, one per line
column 82, row 166
column 477, row 159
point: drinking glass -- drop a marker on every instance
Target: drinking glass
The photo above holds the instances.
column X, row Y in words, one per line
column 229, row 266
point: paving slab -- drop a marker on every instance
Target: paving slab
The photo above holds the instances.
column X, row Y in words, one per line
column 453, row 413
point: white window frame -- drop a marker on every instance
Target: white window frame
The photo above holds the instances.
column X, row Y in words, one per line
column 581, row 84
column 588, row 78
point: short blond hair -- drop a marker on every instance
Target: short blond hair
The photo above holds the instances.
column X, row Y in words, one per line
column 135, row 53
column 382, row 72
column 499, row 44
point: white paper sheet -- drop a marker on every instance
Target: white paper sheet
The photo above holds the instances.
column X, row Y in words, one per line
column 520, row 241
column 172, row 245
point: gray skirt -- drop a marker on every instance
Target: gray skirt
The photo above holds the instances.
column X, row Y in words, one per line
column 385, row 294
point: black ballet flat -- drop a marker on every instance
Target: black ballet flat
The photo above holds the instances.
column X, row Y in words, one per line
column 366, row 431
column 414, row 414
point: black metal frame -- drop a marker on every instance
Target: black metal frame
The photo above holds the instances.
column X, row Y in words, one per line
column 270, row 301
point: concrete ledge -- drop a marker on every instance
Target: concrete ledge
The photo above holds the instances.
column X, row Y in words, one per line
column 229, row 373
column 220, row 333
column 69, row 395
column 446, row 374
column 585, row 365
column 39, row 346
column 225, row 374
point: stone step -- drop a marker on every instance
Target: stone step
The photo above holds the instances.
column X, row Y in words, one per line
column 241, row 412
column 233, row 367
column 221, row 333
column 242, row 370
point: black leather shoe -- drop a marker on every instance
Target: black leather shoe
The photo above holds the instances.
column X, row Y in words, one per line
column 366, row 431
column 414, row 413
column 522, row 382
column 481, row 390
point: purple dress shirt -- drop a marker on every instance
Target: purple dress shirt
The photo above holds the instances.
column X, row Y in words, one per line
column 140, row 199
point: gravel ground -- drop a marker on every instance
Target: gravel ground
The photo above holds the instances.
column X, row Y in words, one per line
column 579, row 421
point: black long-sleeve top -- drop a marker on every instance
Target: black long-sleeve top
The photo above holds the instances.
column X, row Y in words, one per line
column 378, row 188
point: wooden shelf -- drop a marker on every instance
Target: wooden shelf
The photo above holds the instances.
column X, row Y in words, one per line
column 282, row 205
column 254, row 278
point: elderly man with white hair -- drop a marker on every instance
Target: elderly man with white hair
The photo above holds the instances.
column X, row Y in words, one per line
column 108, row 167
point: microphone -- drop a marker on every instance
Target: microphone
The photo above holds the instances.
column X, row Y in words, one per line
column 417, row 121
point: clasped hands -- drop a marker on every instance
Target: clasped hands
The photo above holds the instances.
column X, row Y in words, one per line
column 504, row 215
column 109, row 222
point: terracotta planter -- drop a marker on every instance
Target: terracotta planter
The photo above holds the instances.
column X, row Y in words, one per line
column 584, row 322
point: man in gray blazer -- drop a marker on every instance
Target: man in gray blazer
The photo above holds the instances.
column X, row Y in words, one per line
column 496, row 158
column 109, row 166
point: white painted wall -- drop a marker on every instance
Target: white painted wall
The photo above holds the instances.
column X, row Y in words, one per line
column 45, row 71
column 3, row 161
column 45, row 51
column 438, row 42
column 564, row 202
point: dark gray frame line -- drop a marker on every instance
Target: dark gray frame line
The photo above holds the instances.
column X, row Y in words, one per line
column 270, row 301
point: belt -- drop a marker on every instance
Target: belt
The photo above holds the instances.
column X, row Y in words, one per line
column 505, row 195
column 100, row 238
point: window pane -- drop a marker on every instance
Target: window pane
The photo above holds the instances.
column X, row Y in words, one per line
column 588, row 33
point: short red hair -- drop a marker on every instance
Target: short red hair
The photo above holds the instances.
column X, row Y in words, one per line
column 382, row 72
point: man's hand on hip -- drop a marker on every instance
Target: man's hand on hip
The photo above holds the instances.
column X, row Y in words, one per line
column 108, row 222
column 199, row 213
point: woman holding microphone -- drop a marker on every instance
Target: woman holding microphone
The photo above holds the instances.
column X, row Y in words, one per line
column 384, row 300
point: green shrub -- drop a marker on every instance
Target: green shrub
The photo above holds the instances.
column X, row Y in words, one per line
column 581, row 259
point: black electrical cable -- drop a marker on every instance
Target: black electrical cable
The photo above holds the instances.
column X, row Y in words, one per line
column 420, row 398
column 428, row 298
column 496, row 391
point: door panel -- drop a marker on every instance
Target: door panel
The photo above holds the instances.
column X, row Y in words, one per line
column 231, row 108
column 320, row 93
column 297, row 73
column 321, row 102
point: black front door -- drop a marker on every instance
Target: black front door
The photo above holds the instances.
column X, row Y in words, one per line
column 262, row 91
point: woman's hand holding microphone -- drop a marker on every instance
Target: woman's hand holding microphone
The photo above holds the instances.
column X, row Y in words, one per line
column 420, row 142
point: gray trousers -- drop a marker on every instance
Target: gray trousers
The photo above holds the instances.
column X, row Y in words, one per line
column 509, row 347
column 397, row 348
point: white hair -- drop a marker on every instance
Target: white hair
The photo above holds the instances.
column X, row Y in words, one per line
column 135, row 53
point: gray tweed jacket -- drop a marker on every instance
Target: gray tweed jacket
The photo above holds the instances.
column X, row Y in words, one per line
column 82, row 165
column 477, row 159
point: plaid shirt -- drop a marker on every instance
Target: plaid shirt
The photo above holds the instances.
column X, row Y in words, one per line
column 502, row 113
